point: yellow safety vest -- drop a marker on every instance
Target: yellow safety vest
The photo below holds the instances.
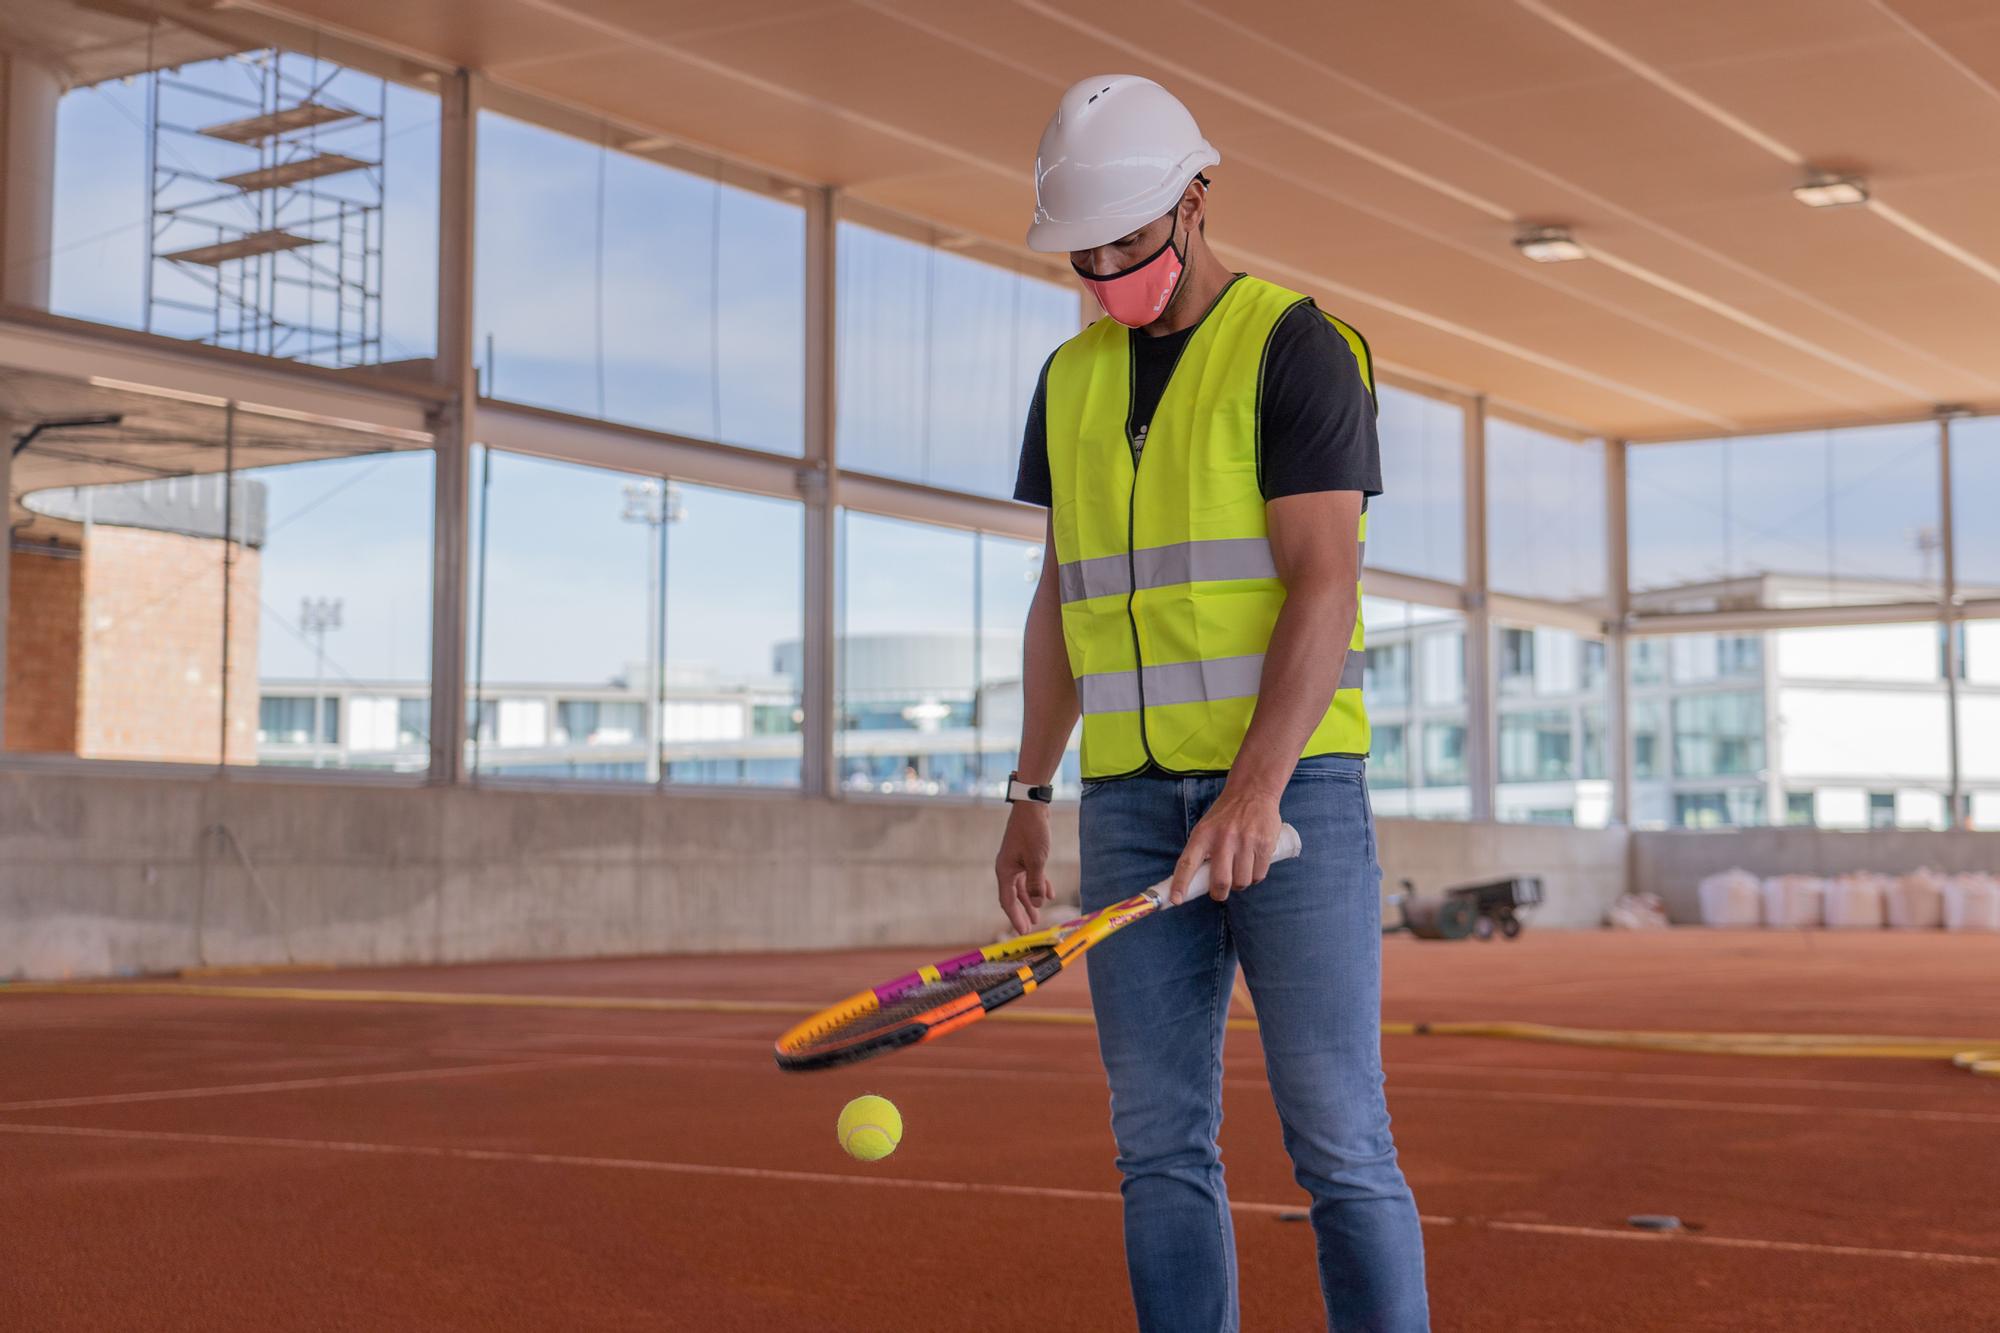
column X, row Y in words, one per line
column 1169, row 592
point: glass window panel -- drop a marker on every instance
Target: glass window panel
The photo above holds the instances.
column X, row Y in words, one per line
column 364, row 292
column 661, row 298
column 564, row 627
column 1444, row 754
column 909, row 681
column 1417, row 524
column 1008, row 573
column 1718, row 734
column 1979, row 723
column 1595, row 755
column 1544, row 514
column 1649, row 738
column 1909, row 654
column 1849, row 714
column 122, row 534
column 1537, row 746
column 1389, row 756
column 1975, row 480
column 733, row 712
column 1838, row 517
column 939, row 354
column 1551, row 758
column 343, row 587
column 1734, row 807
column 1414, row 688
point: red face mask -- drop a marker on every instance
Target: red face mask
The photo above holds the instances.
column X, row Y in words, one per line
column 1136, row 296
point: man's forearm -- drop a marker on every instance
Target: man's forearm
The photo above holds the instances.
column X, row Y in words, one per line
column 1048, row 691
column 1302, row 668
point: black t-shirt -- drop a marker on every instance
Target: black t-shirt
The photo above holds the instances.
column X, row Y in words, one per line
column 1315, row 416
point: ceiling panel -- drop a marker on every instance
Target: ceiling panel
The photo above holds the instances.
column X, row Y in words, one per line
column 1692, row 32
column 1384, row 156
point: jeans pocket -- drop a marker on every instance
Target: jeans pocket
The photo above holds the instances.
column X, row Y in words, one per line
column 1346, row 770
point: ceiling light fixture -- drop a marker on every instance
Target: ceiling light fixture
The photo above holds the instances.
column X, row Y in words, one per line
column 1549, row 245
column 1823, row 189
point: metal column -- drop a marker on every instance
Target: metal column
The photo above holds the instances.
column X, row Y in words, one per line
column 1617, row 677
column 1480, row 768
column 458, row 105
column 1949, row 622
column 818, row 484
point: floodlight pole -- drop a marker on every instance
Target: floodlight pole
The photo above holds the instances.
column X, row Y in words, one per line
column 317, row 615
column 655, row 503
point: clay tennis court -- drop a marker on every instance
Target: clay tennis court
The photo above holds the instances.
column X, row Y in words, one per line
column 515, row 1146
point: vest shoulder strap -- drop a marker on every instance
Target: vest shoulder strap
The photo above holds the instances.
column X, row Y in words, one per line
column 1286, row 298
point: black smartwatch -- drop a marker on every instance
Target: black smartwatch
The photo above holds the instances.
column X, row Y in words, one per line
column 1018, row 790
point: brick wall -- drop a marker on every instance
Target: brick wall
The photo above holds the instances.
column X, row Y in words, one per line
column 151, row 660
column 44, row 624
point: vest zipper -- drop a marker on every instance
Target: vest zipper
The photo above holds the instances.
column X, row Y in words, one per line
column 1132, row 499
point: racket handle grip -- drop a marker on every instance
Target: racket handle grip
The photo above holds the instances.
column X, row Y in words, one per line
column 1287, row 848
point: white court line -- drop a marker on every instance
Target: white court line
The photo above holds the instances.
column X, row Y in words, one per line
column 290, row 1084
column 1739, row 1242
column 1690, row 1104
column 641, row 1164
column 1709, row 1080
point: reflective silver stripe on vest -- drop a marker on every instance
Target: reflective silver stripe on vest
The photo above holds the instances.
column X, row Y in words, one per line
column 1100, row 576
column 1191, row 682
column 1165, row 566
column 1182, row 562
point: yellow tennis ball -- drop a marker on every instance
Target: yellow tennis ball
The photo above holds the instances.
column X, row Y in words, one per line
column 870, row 1128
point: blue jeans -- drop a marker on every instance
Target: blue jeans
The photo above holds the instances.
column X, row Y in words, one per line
column 1309, row 938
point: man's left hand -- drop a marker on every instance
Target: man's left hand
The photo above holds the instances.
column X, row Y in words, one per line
column 1236, row 838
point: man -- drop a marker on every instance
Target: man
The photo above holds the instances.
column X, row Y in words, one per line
column 1206, row 453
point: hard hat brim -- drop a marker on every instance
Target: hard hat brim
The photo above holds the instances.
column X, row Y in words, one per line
column 1051, row 237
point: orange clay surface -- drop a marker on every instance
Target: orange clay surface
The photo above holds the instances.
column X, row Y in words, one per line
column 222, row 1163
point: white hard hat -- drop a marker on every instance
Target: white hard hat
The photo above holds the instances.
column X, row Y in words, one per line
column 1118, row 153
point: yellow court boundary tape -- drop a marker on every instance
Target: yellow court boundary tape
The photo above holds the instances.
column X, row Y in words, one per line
column 1976, row 1055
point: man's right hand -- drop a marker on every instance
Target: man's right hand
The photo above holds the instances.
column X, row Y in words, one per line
column 1021, row 868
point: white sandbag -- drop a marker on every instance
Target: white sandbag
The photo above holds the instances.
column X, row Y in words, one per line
column 1731, row 899
column 1915, row 901
column 1793, row 902
column 1972, row 902
column 1854, row 902
column 1637, row 911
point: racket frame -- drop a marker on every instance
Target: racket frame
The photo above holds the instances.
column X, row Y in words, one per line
column 1070, row 940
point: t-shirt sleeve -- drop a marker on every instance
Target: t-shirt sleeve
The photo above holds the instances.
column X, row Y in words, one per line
column 1316, row 418
column 1031, row 482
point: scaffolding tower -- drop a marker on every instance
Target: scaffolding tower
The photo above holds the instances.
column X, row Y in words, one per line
column 266, row 179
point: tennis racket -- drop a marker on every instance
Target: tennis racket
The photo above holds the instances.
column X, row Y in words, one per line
column 944, row 997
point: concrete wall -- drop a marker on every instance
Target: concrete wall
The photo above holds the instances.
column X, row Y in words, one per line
column 102, row 874
column 107, row 873
column 1673, row 864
